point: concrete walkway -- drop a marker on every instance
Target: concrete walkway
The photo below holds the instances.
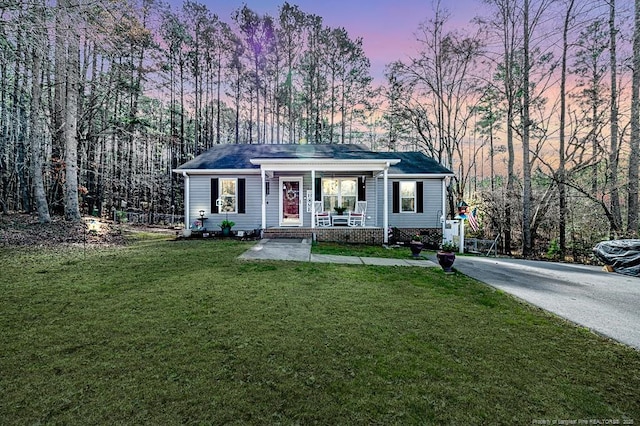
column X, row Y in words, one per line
column 300, row 250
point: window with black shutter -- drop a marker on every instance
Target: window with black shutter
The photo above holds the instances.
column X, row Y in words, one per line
column 318, row 194
column 362, row 189
column 242, row 190
column 228, row 195
column 214, row 195
column 396, row 196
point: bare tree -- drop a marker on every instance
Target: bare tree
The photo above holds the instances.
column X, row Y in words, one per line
column 526, row 125
column 614, row 153
column 562, row 195
column 36, row 130
column 634, row 154
column 259, row 36
column 291, row 35
column 439, row 93
column 69, row 55
column 504, row 26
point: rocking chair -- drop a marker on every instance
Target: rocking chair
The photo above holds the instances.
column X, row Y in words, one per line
column 321, row 217
column 358, row 216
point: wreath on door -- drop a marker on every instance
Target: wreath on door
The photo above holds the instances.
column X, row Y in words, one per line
column 291, row 194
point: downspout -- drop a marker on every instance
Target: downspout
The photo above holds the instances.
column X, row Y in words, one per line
column 186, row 200
column 385, row 214
column 264, row 198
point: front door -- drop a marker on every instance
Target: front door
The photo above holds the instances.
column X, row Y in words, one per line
column 291, row 201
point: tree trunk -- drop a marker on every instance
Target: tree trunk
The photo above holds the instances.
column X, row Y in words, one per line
column 183, row 109
column 4, row 130
column 613, row 153
column 35, row 129
column 218, row 100
column 632, row 200
column 526, row 163
column 57, row 112
column 562, row 195
column 492, row 158
column 72, row 62
column 511, row 175
column 20, row 128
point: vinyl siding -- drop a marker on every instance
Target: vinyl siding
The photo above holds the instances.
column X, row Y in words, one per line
column 200, row 199
column 372, row 203
column 430, row 218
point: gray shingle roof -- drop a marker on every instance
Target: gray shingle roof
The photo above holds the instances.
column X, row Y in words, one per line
column 231, row 157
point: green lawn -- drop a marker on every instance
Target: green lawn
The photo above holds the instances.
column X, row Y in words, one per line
column 174, row 332
column 363, row 250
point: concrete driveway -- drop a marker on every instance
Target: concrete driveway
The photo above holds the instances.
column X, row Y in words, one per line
column 605, row 302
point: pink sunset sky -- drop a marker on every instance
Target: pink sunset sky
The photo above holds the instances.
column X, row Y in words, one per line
column 387, row 27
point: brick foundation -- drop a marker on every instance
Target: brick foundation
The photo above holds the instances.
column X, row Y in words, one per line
column 432, row 237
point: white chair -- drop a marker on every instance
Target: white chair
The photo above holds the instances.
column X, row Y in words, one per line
column 358, row 216
column 322, row 218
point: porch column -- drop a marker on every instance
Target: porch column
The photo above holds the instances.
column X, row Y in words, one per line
column 264, row 197
column 186, row 200
column 313, row 198
column 385, row 210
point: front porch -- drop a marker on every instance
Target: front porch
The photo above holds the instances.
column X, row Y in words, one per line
column 303, row 183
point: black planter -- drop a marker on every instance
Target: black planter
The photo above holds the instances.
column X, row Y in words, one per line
column 416, row 248
column 446, row 259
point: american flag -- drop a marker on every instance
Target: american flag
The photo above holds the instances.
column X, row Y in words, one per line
column 473, row 220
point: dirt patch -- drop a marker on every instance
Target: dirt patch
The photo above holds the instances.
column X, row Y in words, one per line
column 24, row 230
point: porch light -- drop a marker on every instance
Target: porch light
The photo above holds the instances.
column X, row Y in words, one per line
column 201, row 214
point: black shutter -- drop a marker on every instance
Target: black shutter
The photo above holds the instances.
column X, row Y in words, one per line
column 362, row 190
column 214, row 195
column 420, row 197
column 396, row 197
column 318, row 194
column 242, row 191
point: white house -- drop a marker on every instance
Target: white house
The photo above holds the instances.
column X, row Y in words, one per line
column 282, row 190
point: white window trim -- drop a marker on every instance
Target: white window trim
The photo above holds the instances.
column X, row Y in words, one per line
column 339, row 195
column 415, row 197
column 220, row 196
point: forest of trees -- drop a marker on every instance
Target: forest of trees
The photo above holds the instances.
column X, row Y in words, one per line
column 99, row 100
column 534, row 105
